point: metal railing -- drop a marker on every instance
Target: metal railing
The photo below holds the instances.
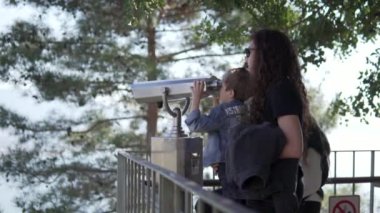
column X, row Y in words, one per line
column 146, row 187
column 336, row 177
column 354, row 178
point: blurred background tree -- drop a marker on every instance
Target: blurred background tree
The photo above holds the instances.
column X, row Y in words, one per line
column 88, row 62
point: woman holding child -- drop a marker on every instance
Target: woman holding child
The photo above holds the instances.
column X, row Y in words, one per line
column 278, row 96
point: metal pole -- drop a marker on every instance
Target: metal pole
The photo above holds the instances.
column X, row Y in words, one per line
column 371, row 201
column 166, row 195
column 335, row 171
column 353, row 171
column 121, row 189
column 178, row 199
column 144, row 186
column 133, row 186
column 188, row 206
column 154, row 191
column 148, row 189
column 140, row 188
column 129, row 185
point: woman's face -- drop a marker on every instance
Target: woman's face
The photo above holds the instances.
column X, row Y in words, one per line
column 249, row 57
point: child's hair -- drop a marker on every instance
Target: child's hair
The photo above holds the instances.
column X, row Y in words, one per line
column 237, row 79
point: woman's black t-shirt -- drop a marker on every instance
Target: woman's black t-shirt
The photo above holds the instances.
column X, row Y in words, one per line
column 282, row 99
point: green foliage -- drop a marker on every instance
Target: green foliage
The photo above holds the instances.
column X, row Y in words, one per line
column 88, row 61
column 141, row 10
column 366, row 102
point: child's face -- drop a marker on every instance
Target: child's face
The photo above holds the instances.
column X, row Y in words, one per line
column 225, row 95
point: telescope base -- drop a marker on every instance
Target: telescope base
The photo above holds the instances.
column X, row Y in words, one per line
column 181, row 155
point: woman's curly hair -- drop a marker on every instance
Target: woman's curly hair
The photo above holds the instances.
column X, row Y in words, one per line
column 275, row 59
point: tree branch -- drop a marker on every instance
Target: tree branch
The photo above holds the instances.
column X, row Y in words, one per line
column 69, row 130
column 299, row 22
column 73, row 42
column 73, row 167
column 182, row 11
column 205, row 55
column 173, row 30
column 313, row 14
column 169, row 57
column 99, row 122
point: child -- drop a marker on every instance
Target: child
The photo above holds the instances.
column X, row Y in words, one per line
column 230, row 112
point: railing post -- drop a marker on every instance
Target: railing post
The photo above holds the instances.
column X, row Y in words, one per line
column 139, row 188
column 121, row 189
column 188, row 202
column 179, row 199
column 335, row 171
column 133, row 187
column 371, row 201
column 129, row 174
column 154, row 191
column 166, row 195
column 143, row 188
column 353, row 171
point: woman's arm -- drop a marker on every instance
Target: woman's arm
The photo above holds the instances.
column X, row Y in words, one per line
column 291, row 127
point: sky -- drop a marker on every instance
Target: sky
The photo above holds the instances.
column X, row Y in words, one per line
column 333, row 76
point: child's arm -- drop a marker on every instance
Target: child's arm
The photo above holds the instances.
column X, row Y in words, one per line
column 202, row 123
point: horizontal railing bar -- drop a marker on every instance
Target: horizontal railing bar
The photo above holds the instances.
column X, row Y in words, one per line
column 340, row 180
column 337, row 180
column 363, row 150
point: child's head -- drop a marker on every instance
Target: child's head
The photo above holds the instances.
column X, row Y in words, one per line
column 235, row 85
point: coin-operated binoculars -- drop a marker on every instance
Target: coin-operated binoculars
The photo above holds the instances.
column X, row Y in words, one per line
column 176, row 151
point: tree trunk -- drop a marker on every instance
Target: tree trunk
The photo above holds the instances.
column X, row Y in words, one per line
column 152, row 113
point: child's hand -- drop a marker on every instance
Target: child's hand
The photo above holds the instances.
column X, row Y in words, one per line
column 198, row 90
column 197, row 93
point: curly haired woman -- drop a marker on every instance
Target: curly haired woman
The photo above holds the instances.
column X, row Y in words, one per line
column 279, row 97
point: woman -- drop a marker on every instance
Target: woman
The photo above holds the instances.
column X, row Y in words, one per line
column 279, row 97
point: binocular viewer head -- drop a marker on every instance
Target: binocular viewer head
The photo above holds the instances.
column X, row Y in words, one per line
column 152, row 91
